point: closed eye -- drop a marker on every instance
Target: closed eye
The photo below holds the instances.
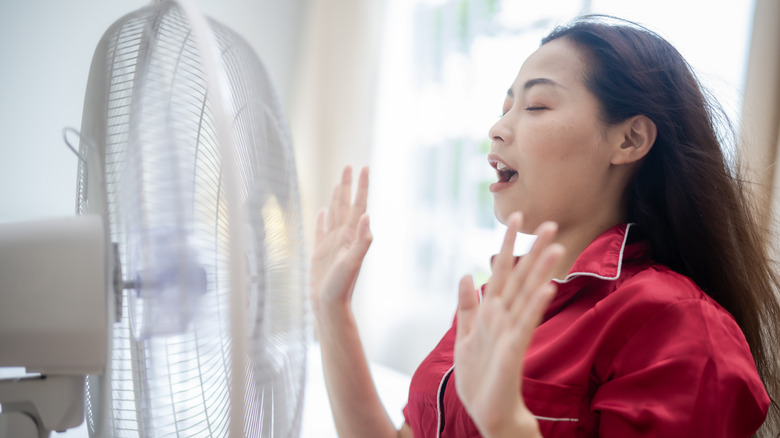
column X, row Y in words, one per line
column 536, row 108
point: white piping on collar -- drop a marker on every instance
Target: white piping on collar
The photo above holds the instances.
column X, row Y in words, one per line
column 573, row 275
column 440, row 400
column 572, row 420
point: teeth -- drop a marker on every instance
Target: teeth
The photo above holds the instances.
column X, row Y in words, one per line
column 501, row 166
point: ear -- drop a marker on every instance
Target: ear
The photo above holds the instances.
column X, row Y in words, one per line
column 638, row 136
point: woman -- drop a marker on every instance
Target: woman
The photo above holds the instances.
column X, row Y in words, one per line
column 645, row 307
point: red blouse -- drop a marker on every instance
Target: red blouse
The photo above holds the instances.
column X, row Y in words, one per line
column 628, row 348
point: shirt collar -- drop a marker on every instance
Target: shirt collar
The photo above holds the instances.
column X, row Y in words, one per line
column 603, row 258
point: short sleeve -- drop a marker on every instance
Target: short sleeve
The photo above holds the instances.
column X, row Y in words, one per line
column 686, row 372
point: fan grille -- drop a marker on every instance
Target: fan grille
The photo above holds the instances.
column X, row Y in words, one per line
column 167, row 213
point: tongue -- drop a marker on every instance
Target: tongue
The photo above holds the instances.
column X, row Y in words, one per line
column 506, row 175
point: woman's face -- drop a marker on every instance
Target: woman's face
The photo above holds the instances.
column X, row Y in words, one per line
column 550, row 149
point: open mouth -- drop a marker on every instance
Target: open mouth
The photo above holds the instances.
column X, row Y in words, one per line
column 504, row 172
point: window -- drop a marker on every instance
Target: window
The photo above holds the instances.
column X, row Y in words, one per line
column 446, row 67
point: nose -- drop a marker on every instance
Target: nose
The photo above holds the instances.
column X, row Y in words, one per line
column 500, row 130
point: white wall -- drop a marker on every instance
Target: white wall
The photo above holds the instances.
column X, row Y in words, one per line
column 46, row 47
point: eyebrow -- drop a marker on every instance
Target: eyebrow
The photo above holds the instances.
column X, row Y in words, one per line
column 536, row 81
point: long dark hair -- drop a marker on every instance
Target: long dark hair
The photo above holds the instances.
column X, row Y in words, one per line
column 686, row 196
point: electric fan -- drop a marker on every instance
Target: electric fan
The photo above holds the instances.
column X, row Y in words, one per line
column 186, row 172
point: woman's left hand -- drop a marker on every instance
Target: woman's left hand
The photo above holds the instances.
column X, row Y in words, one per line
column 492, row 337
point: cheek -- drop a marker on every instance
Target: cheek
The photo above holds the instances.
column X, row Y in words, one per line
column 573, row 142
column 564, row 163
column 554, row 144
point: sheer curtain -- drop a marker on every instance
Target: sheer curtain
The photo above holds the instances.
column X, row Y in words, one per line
column 760, row 127
column 411, row 87
column 445, row 67
column 333, row 101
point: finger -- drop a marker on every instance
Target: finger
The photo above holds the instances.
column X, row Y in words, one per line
column 530, row 318
column 334, row 201
column 345, row 195
column 545, row 234
column 467, row 306
column 361, row 198
column 543, row 271
column 359, row 248
column 319, row 230
column 539, row 277
column 504, row 261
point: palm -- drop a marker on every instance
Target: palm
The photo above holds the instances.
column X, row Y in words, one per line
column 486, row 351
column 492, row 336
column 341, row 241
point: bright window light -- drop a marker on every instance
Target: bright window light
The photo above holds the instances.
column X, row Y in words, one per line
column 446, row 67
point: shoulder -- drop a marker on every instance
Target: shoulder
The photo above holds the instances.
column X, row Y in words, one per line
column 675, row 346
column 655, row 290
column 656, row 282
column 660, row 316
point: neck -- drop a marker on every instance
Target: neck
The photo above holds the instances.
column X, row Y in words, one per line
column 610, row 210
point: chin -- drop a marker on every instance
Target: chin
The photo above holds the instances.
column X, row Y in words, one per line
column 528, row 225
column 505, row 204
column 501, row 214
column 497, row 213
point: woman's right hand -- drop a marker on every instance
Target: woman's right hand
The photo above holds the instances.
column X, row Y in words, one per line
column 341, row 241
